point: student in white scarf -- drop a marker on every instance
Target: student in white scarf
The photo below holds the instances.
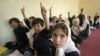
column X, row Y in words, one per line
column 98, row 22
column 85, row 25
column 62, row 41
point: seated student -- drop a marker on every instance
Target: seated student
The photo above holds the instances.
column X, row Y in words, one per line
column 28, row 22
column 63, row 44
column 21, row 41
column 70, row 19
column 76, row 32
column 31, row 39
column 95, row 19
column 42, row 34
column 59, row 18
column 86, row 27
column 98, row 22
column 52, row 19
column 91, row 23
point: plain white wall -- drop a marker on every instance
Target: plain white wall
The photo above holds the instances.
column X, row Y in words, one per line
column 91, row 7
column 11, row 8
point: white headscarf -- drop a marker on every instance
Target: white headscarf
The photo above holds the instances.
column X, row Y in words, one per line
column 68, row 47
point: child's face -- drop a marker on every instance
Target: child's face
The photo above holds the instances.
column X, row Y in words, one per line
column 38, row 28
column 77, row 23
column 14, row 24
column 59, row 38
column 30, row 21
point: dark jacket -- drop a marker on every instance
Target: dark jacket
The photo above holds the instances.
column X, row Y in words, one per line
column 41, row 43
column 21, row 37
column 74, row 53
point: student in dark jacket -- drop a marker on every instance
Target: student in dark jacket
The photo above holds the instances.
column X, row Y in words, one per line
column 20, row 33
column 63, row 44
column 41, row 36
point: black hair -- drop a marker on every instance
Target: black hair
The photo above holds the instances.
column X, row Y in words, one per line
column 32, row 17
column 37, row 21
column 15, row 20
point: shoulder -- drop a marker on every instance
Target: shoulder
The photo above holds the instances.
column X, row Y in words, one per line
column 74, row 53
column 45, row 32
column 24, row 28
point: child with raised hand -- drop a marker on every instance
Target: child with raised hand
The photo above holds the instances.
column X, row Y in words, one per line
column 42, row 34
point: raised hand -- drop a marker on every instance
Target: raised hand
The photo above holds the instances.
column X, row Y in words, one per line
column 23, row 12
column 43, row 10
column 50, row 11
column 44, row 15
column 50, row 8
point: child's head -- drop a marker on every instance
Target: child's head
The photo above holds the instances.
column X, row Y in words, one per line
column 14, row 22
column 89, row 17
column 38, row 25
column 76, row 22
column 61, row 21
column 59, row 35
column 54, row 18
column 73, row 17
column 31, row 19
column 21, row 24
column 82, row 10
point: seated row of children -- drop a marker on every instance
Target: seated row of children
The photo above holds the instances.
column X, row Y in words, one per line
column 49, row 37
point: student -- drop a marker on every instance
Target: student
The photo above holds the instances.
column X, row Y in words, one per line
column 95, row 19
column 86, row 27
column 90, row 21
column 81, row 16
column 76, row 32
column 42, row 34
column 21, row 41
column 70, row 19
column 28, row 22
column 59, row 18
column 98, row 22
column 50, row 14
column 52, row 19
column 63, row 45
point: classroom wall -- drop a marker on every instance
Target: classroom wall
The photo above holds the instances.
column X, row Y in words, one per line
column 91, row 7
column 11, row 8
